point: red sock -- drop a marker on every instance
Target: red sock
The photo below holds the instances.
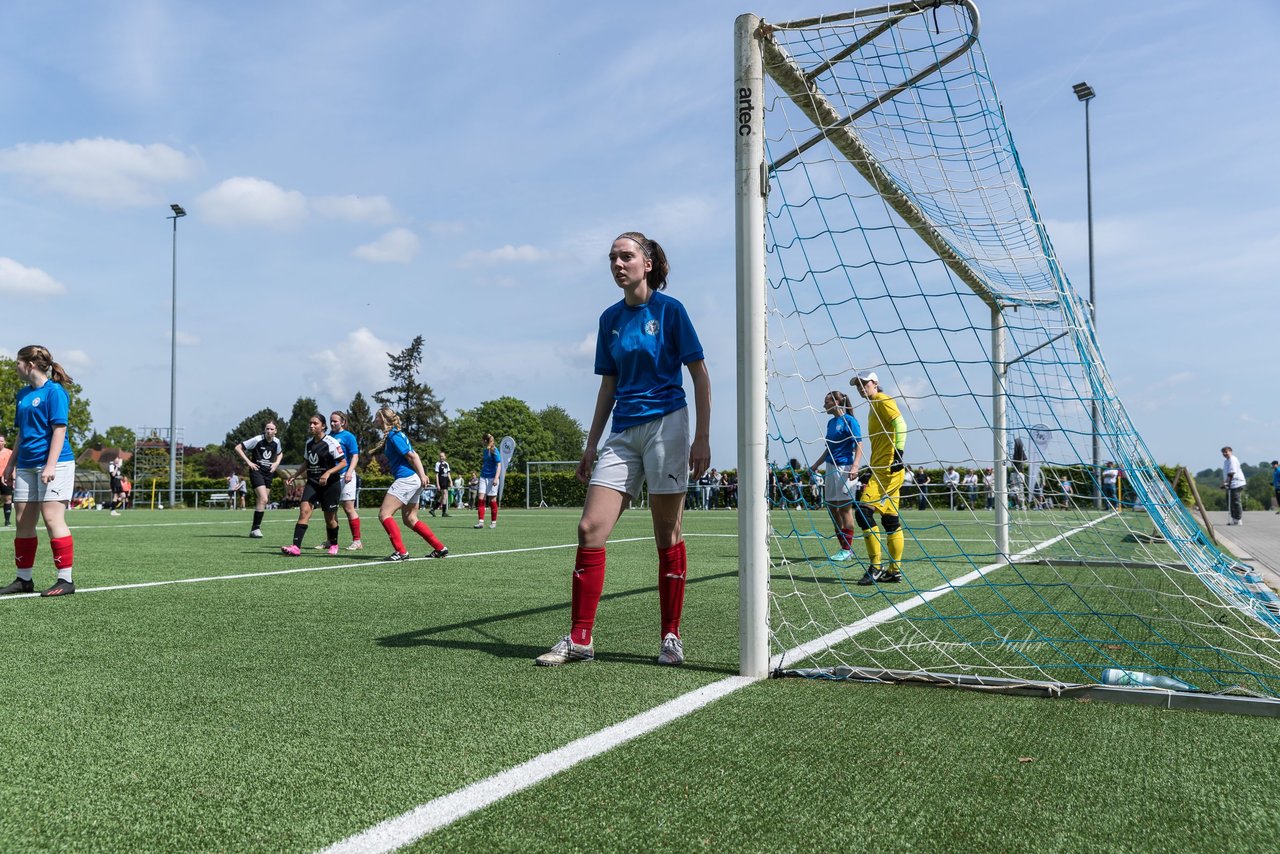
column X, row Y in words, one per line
column 672, row 568
column 64, row 553
column 493, row 509
column 588, row 582
column 393, row 531
column 480, row 509
column 355, row 528
column 846, row 538
column 24, row 551
column 424, row 530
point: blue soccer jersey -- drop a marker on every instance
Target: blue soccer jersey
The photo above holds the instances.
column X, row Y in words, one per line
column 645, row 347
column 843, row 436
column 489, row 464
column 397, row 451
column 350, row 447
column 39, row 411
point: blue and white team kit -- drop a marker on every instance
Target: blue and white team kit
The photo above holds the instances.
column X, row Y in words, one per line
column 38, row 412
column 646, row 347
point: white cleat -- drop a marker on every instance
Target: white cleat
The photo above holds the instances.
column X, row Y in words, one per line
column 493, row 524
column 356, row 545
column 256, row 534
column 672, row 652
column 479, row 524
column 566, row 652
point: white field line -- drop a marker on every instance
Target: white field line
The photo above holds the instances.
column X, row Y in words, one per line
column 301, row 569
column 813, row 647
column 395, row 833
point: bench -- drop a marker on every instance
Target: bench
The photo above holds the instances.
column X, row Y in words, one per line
column 220, row 499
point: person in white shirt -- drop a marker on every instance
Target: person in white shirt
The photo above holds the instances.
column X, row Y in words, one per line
column 1110, row 480
column 1233, row 482
column 952, row 480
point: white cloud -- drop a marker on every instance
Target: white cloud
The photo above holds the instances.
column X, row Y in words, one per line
column 398, row 246
column 74, row 360
column 109, row 172
column 357, row 363
column 18, row 280
column 371, row 209
column 524, row 254
column 251, row 202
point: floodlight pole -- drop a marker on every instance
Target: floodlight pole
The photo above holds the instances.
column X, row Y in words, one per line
column 178, row 213
column 1084, row 92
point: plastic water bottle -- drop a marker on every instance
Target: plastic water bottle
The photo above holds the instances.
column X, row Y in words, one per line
column 1116, row 676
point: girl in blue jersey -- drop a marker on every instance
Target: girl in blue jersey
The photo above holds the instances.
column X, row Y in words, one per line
column 405, row 466
column 351, row 447
column 490, row 470
column 42, row 470
column 644, row 340
column 843, row 449
column 323, row 460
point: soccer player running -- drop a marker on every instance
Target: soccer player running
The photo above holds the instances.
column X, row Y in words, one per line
column 643, row 341
column 888, row 434
column 844, row 451
column 406, row 467
column 262, row 454
column 42, row 472
column 487, row 492
column 347, row 439
column 324, row 459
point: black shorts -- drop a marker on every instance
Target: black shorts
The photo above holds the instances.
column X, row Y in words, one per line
column 117, row 486
column 326, row 497
column 6, row 491
column 260, row 477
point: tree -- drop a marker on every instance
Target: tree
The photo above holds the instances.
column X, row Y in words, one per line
column 293, row 434
column 78, row 416
column 120, row 437
column 567, row 436
column 506, row 416
column 250, row 427
column 360, row 423
column 421, row 414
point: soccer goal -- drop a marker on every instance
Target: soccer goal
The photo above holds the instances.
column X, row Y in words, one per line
column 549, row 483
column 884, row 223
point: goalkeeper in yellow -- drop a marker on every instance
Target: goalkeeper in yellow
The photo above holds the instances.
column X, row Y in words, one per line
column 888, row 434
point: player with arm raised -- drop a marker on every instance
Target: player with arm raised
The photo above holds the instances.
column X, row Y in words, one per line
column 644, row 341
column 888, row 433
column 324, row 459
column 262, row 454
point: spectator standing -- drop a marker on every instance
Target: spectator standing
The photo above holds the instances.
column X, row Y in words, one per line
column 42, row 470
column 989, row 481
column 114, row 471
column 971, row 487
column 1275, row 482
column 952, row 481
column 1110, row 482
column 1233, row 482
column 233, row 490
column 922, row 488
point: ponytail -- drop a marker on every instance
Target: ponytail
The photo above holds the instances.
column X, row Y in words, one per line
column 42, row 359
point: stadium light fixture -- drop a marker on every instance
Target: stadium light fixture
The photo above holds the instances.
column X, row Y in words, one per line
column 178, row 213
column 1084, row 92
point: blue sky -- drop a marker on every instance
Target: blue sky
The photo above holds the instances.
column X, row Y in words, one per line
column 358, row 174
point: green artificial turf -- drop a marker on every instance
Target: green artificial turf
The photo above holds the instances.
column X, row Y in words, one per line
column 287, row 712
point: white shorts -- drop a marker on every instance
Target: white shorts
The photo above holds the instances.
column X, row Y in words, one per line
column 837, row 489
column 656, row 453
column 488, row 487
column 27, row 486
column 406, row 490
column 349, row 489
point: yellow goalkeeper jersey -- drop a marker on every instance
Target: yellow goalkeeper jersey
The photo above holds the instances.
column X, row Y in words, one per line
column 886, row 430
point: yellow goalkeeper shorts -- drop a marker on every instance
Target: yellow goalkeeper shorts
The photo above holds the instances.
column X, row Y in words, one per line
column 881, row 492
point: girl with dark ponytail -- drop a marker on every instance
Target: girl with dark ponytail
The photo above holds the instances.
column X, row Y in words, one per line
column 42, row 470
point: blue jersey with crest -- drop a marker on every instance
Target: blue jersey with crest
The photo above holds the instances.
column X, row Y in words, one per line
column 645, row 347
column 39, row 411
